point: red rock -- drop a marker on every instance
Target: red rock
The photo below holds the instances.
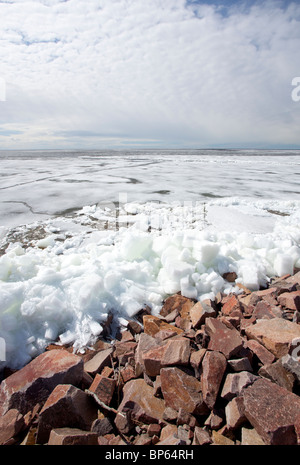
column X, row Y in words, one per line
column 33, row 383
column 153, row 324
column 177, row 352
column 181, row 390
column 11, row 423
column 79, row 411
column 223, row 339
column 264, row 310
column 127, row 373
column 124, row 350
column 232, row 307
column 199, row 312
column 290, row 300
column 123, row 422
column 101, row 359
column 201, row 437
column 154, row 429
column 278, row 374
column 275, row 334
column 139, row 399
column 235, row 413
column 104, row 388
column 263, row 354
column 240, row 364
column 230, row 276
column 214, row 366
column 145, row 343
column 177, row 302
column 235, row 383
column 196, row 360
column 72, row 437
column 272, row 411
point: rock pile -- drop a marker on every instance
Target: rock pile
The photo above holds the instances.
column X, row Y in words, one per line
column 217, row 372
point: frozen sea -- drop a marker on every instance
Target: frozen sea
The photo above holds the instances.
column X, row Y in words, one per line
column 88, row 233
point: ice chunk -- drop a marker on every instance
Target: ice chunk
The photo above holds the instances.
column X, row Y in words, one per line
column 283, row 264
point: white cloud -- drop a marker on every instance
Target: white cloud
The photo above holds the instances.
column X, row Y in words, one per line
column 166, row 71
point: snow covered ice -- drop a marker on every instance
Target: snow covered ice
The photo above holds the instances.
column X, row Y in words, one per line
column 116, row 260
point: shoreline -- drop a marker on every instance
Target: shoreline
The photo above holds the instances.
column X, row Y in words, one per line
column 196, row 374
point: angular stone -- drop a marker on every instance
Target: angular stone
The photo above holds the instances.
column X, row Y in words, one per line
column 11, row 423
column 250, row 437
column 145, row 343
column 277, row 373
column 263, row 354
column 199, row 312
column 240, row 364
column 272, row 411
column 292, row 365
column 230, row 276
column 138, row 397
column 196, row 360
column 223, row 339
column 72, row 437
column 123, row 422
column 170, row 414
column 177, row 302
column 235, row 383
column 275, row 334
column 33, row 383
column 104, row 388
column 79, row 410
column 102, row 426
column 168, row 430
column 265, row 310
column 201, row 437
column 177, row 352
column 181, row 390
column 232, row 307
column 214, row 365
column 221, row 440
column 290, row 300
column 152, row 360
column 98, row 361
column 153, row 324
column 235, row 413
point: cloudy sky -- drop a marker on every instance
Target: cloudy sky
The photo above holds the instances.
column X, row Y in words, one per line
column 149, row 73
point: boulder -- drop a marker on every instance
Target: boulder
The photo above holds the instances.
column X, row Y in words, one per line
column 214, row 366
column 33, row 383
column 275, row 334
column 139, row 399
column 235, row 383
column 79, row 410
column 177, row 302
column 199, row 312
column 104, row 388
column 11, row 423
column 101, row 359
column 272, row 411
column 181, row 390
column 72, row 437
column 290, row 300
column 222, row 338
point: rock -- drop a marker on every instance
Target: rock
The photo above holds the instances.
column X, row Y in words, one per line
column 177, row 302
column 272, row 411
column 35, row 381
column 250, row 437
column 221, row 440
column 275, row 334
column 181, row 390
column 214, row 366
column 290, row 300
column 223, row 339
column 98, row 361
column 170, row 414
column 123, row 422
column 201, row 437
column 240, row 364
column 79, row 410
column 104, row 388
column 235, row 413
column 139, row 398
column 154, row 429
column 297, row 429
column 263, row 354
column 152, row 360
column 230, row 276
column 11, row 423
column 235, row 383
column 167, row 431
column 232, row 307
column 292, row 365
column 72, row 437
column 278, row 373
column 145, row 343
column 199, row 312
column 153, row 324
column 102, row 426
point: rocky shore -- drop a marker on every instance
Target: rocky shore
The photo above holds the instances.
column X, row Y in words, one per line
column 223, row 372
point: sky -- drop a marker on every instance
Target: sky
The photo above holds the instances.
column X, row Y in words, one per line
column 97, row 74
